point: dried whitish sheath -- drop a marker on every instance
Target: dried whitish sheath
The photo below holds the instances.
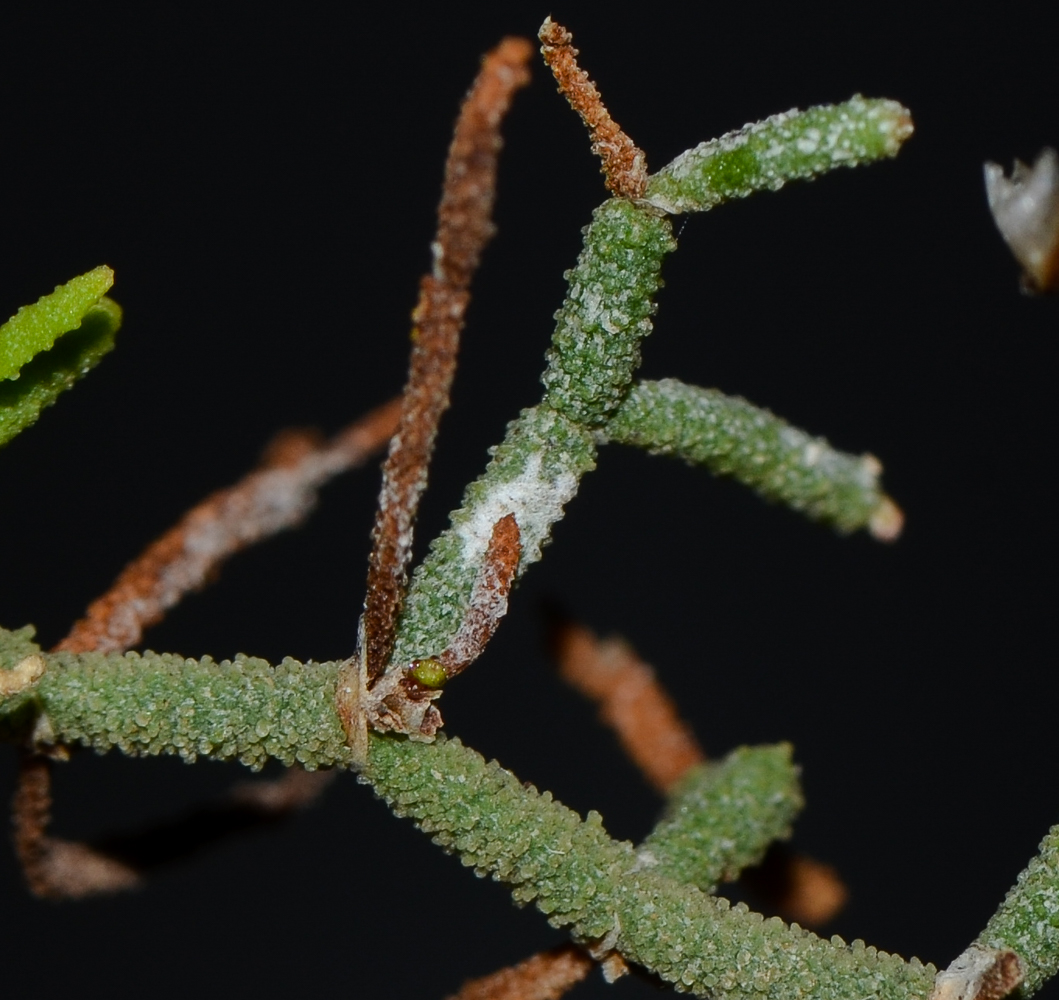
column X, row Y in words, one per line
column 1025, row 208
column 979, row 974
column 488, row 602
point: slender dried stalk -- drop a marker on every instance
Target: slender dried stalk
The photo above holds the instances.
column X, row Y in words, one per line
column 279, row 495
column 623, row 163
column 546, row 976
column 57, row 869
column 801, row 888
column 631, row 701
column 464, row 227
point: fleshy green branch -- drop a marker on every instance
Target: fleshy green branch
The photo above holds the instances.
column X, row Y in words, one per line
column 795, row 145
column 569, row 867
column 243, row 709
column 722, row 817
column 582, row 879
column 782, row 463
column 596, row 349
column 35, row 328
column 596, row 345
column 51, row 372
column 532, row 475
column 1028, row 919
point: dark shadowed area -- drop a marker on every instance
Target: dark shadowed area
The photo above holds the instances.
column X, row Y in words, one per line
column 264, row 185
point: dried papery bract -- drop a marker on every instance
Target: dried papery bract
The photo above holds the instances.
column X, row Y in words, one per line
column 279, row 495
column 623, row 163
column 1026, row 211
column 464, row 227
column 488, row 603
column 979, row 974
column 546, row 976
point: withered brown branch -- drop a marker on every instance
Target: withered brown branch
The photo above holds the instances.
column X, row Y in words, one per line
column 624, row 165
column 546, row 976
column 54, row 868
column 278, row 495
column 633, row 702
column 464, row 227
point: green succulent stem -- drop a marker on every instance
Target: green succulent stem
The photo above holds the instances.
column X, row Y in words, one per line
column 35, row 328
column 603, row 890
column 795, row 145
column 722, row 817
column 732, row 437
column 1027, row 921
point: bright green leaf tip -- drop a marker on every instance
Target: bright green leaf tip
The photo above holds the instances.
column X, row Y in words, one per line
column 35, row 328
column 42, row 380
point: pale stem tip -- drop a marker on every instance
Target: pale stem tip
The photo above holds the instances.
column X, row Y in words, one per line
column 887, row 521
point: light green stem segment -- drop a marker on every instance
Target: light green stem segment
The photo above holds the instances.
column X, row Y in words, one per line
column 51, row 372
column 607, row 311
column 732, row 437
column 244, row 709
column 722, row 817
column 533, row 474
column 795, row 145
column 35, row 328
column 599, row 888
column 574, row 872
column 1028, row 919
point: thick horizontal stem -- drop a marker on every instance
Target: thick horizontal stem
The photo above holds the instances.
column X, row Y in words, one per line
column 574, row 872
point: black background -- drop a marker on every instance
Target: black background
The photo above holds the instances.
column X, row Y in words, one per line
column 264, row 182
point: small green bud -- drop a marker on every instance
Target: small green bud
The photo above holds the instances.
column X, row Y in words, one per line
column 429, row 672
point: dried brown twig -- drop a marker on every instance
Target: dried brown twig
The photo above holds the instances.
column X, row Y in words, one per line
column 546, row 976
column 631, row 701
column 623, row 163
column 464, row 227
column 54, row 868
column 279, row 495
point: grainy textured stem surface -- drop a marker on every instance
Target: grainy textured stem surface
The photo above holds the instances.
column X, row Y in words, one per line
column 732, row 437
column 1028, row 919
column 795, row 145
